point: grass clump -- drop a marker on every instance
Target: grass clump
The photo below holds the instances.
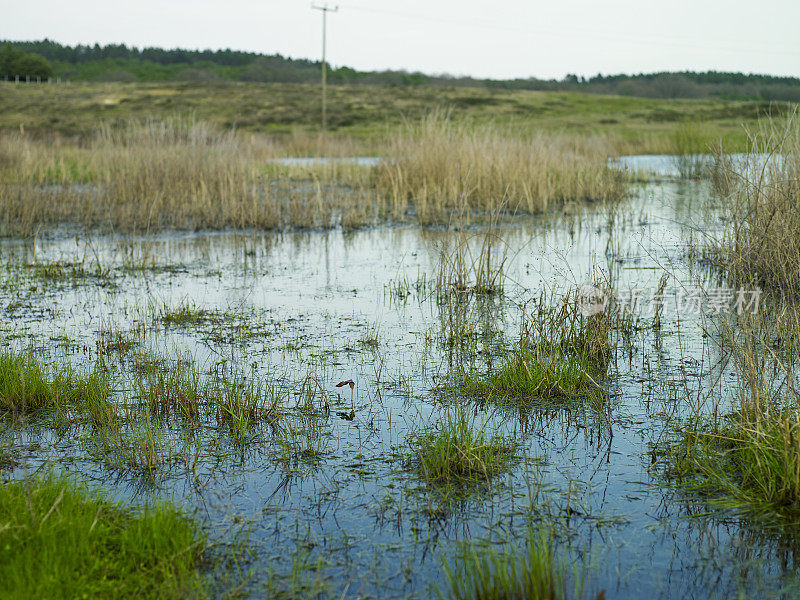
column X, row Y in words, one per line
column 28, row 387
column 533, row 572
column 458, row 451
column 561, row 354
column 59, row 540
column 752, row 458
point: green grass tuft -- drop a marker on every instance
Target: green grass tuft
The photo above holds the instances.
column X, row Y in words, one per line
column 457, row 451
column 560, row 355
column 28, row 387
column 59, row 540
column 752, row 459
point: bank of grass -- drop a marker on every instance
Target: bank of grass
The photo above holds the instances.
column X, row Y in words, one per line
column 536, row 571
column 29, row 387
column 363, row 114
column 749, row 458
column 458, row 449
column 560, row 356
column 59, row 540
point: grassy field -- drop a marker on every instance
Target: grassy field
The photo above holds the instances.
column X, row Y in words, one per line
column 639, row 125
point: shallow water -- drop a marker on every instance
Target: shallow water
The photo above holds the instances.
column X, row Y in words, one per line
column 299, row 307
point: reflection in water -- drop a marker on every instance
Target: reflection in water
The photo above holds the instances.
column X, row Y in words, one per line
column 297, row 307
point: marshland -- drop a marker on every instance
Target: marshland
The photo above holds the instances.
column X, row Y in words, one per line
column 381, row 372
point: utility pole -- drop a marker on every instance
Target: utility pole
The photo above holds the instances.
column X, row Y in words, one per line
column 325, row 10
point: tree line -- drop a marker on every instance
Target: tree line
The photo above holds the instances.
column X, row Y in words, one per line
column 118, row 62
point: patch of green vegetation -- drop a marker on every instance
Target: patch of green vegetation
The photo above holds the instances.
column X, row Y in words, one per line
column 457, row 450
column 28, row 387
column 751, row 460
column 241, row 405
column 534, row 373
column 533, row 572
column 188, row 315
column 363, row 111
column 371, row 336
column 560, row 356
column 66, row 272
column 59, row 540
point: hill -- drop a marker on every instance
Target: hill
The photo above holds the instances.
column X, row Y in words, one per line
column 118, row 62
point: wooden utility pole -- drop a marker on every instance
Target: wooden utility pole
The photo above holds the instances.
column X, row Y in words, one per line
column 325, row 10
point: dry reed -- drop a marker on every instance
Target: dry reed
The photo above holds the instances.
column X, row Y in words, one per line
column 151, row 175
column 761, row 204
column 440, row 166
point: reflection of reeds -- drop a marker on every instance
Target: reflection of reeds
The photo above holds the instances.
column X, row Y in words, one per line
column 535, row 571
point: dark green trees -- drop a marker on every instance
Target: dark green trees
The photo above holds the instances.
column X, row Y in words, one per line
column 15, row 63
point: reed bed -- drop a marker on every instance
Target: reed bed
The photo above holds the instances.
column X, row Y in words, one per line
column 760, row 200
column 439, row 166
column 150, row 175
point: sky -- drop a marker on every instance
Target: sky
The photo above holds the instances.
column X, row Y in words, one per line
column 498, row 39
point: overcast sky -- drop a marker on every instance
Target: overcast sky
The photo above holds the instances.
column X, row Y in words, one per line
column 498, row 39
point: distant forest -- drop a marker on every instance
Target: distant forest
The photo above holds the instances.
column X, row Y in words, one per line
column 117, row 62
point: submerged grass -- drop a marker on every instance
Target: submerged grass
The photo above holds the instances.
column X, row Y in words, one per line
column 534, row 572
column 560, row 355
column 59, row 540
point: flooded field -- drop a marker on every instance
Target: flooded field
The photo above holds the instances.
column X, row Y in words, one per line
column 333, row 357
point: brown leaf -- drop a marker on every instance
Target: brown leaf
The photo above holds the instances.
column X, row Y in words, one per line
column 349, row 382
